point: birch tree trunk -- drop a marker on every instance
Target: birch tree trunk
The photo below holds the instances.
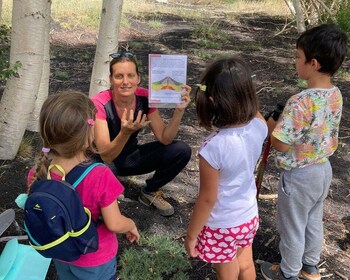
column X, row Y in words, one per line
column 33, row 122
column 27, row 36
column 0, row 11
column 107, row 43
column 299, row 16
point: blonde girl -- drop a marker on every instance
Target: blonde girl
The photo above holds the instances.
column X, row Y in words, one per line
column 67, row 133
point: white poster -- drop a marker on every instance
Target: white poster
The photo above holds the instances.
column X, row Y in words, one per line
column 167, row 75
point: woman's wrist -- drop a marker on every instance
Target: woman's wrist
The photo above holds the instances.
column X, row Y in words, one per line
column 179, row 111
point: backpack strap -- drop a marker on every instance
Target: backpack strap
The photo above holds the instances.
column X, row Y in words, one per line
column 60, row 169
column 79, row 172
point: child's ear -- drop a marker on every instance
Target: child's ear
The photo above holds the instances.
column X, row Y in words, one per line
column 315, row 64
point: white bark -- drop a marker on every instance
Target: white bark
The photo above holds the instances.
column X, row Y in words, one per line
column 33, row 122
column 27, row 36
column 290, row 6
column 299, row 16
column 0, row 11
column 107, row 43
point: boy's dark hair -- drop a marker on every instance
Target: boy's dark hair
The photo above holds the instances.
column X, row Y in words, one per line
column 327, row 44
column 229, row 97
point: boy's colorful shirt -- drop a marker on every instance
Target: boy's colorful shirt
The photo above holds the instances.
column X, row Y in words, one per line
column 310, row 125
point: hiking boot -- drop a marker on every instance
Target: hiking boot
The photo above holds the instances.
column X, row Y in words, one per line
column 156, row 200
column 310, row 272
column 273, row 272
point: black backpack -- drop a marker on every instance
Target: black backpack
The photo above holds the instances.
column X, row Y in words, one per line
column 57, row 223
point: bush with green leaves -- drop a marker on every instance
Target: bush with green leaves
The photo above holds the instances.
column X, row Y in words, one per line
column 156, row 257
column 343, row 17
column 5, row 70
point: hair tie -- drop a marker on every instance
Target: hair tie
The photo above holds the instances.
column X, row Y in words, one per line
column 45, row 150
column 91, row 122
column 202, row 87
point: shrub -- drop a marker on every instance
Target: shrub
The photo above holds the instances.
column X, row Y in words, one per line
column 5, row 70
column 156, row 257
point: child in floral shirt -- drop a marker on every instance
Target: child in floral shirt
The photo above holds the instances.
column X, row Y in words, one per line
column 305, row 136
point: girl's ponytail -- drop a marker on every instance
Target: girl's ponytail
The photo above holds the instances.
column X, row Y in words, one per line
column 41, row 168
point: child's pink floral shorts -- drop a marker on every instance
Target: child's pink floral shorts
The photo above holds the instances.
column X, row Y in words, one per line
column 220, row 245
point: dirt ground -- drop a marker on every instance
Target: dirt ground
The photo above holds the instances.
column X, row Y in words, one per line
column 271, row 57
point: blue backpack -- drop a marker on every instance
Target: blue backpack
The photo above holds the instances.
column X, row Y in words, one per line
column 57, row 223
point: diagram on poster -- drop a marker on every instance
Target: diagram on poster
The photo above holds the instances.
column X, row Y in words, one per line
column 167, row 76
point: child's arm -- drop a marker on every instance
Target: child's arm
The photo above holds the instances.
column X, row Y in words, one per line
column 277, row 144
column 209, row 179
column 118, row 223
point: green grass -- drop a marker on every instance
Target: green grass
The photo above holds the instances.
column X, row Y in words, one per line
column 155, row 24
column 86, row 13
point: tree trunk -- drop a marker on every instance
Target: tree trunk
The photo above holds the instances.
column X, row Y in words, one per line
column 299, row 16
column 290, row 6
column 33, row 122
column 27, row 36
column 107, row 43
column 1, row 11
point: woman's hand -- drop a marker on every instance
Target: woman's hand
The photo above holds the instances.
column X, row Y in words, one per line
column 133, row 235
column 190, row 245
column 129, row 125
column 185, row 97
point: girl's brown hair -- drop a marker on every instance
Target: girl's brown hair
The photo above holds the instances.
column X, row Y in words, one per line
column 229, row 97
column 65, row 125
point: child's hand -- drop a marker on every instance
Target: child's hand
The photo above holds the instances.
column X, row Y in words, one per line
column 190, row 245
column 133, row 235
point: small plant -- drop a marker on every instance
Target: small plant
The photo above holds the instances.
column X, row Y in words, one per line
column 25, row 149
column 301, row 83
column 209, row 44
column 154, row 24
column 6, row 71
column 343, row 17
column 61, row 75
column 210, row 35
column 135, row 45
column 205, row 55
column 157, row 257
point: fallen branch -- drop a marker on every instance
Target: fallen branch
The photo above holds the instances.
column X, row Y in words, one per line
column 270, row 240
column 268, row 196
column 269, row 88
column 327, row 275
column 341, row 275
column 284, row 28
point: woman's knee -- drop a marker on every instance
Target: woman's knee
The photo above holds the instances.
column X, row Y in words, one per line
column 182, row 149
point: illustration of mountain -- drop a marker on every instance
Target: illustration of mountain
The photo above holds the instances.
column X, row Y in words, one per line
column 167, row 83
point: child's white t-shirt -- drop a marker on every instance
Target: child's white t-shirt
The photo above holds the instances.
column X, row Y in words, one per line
column 234, row 152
